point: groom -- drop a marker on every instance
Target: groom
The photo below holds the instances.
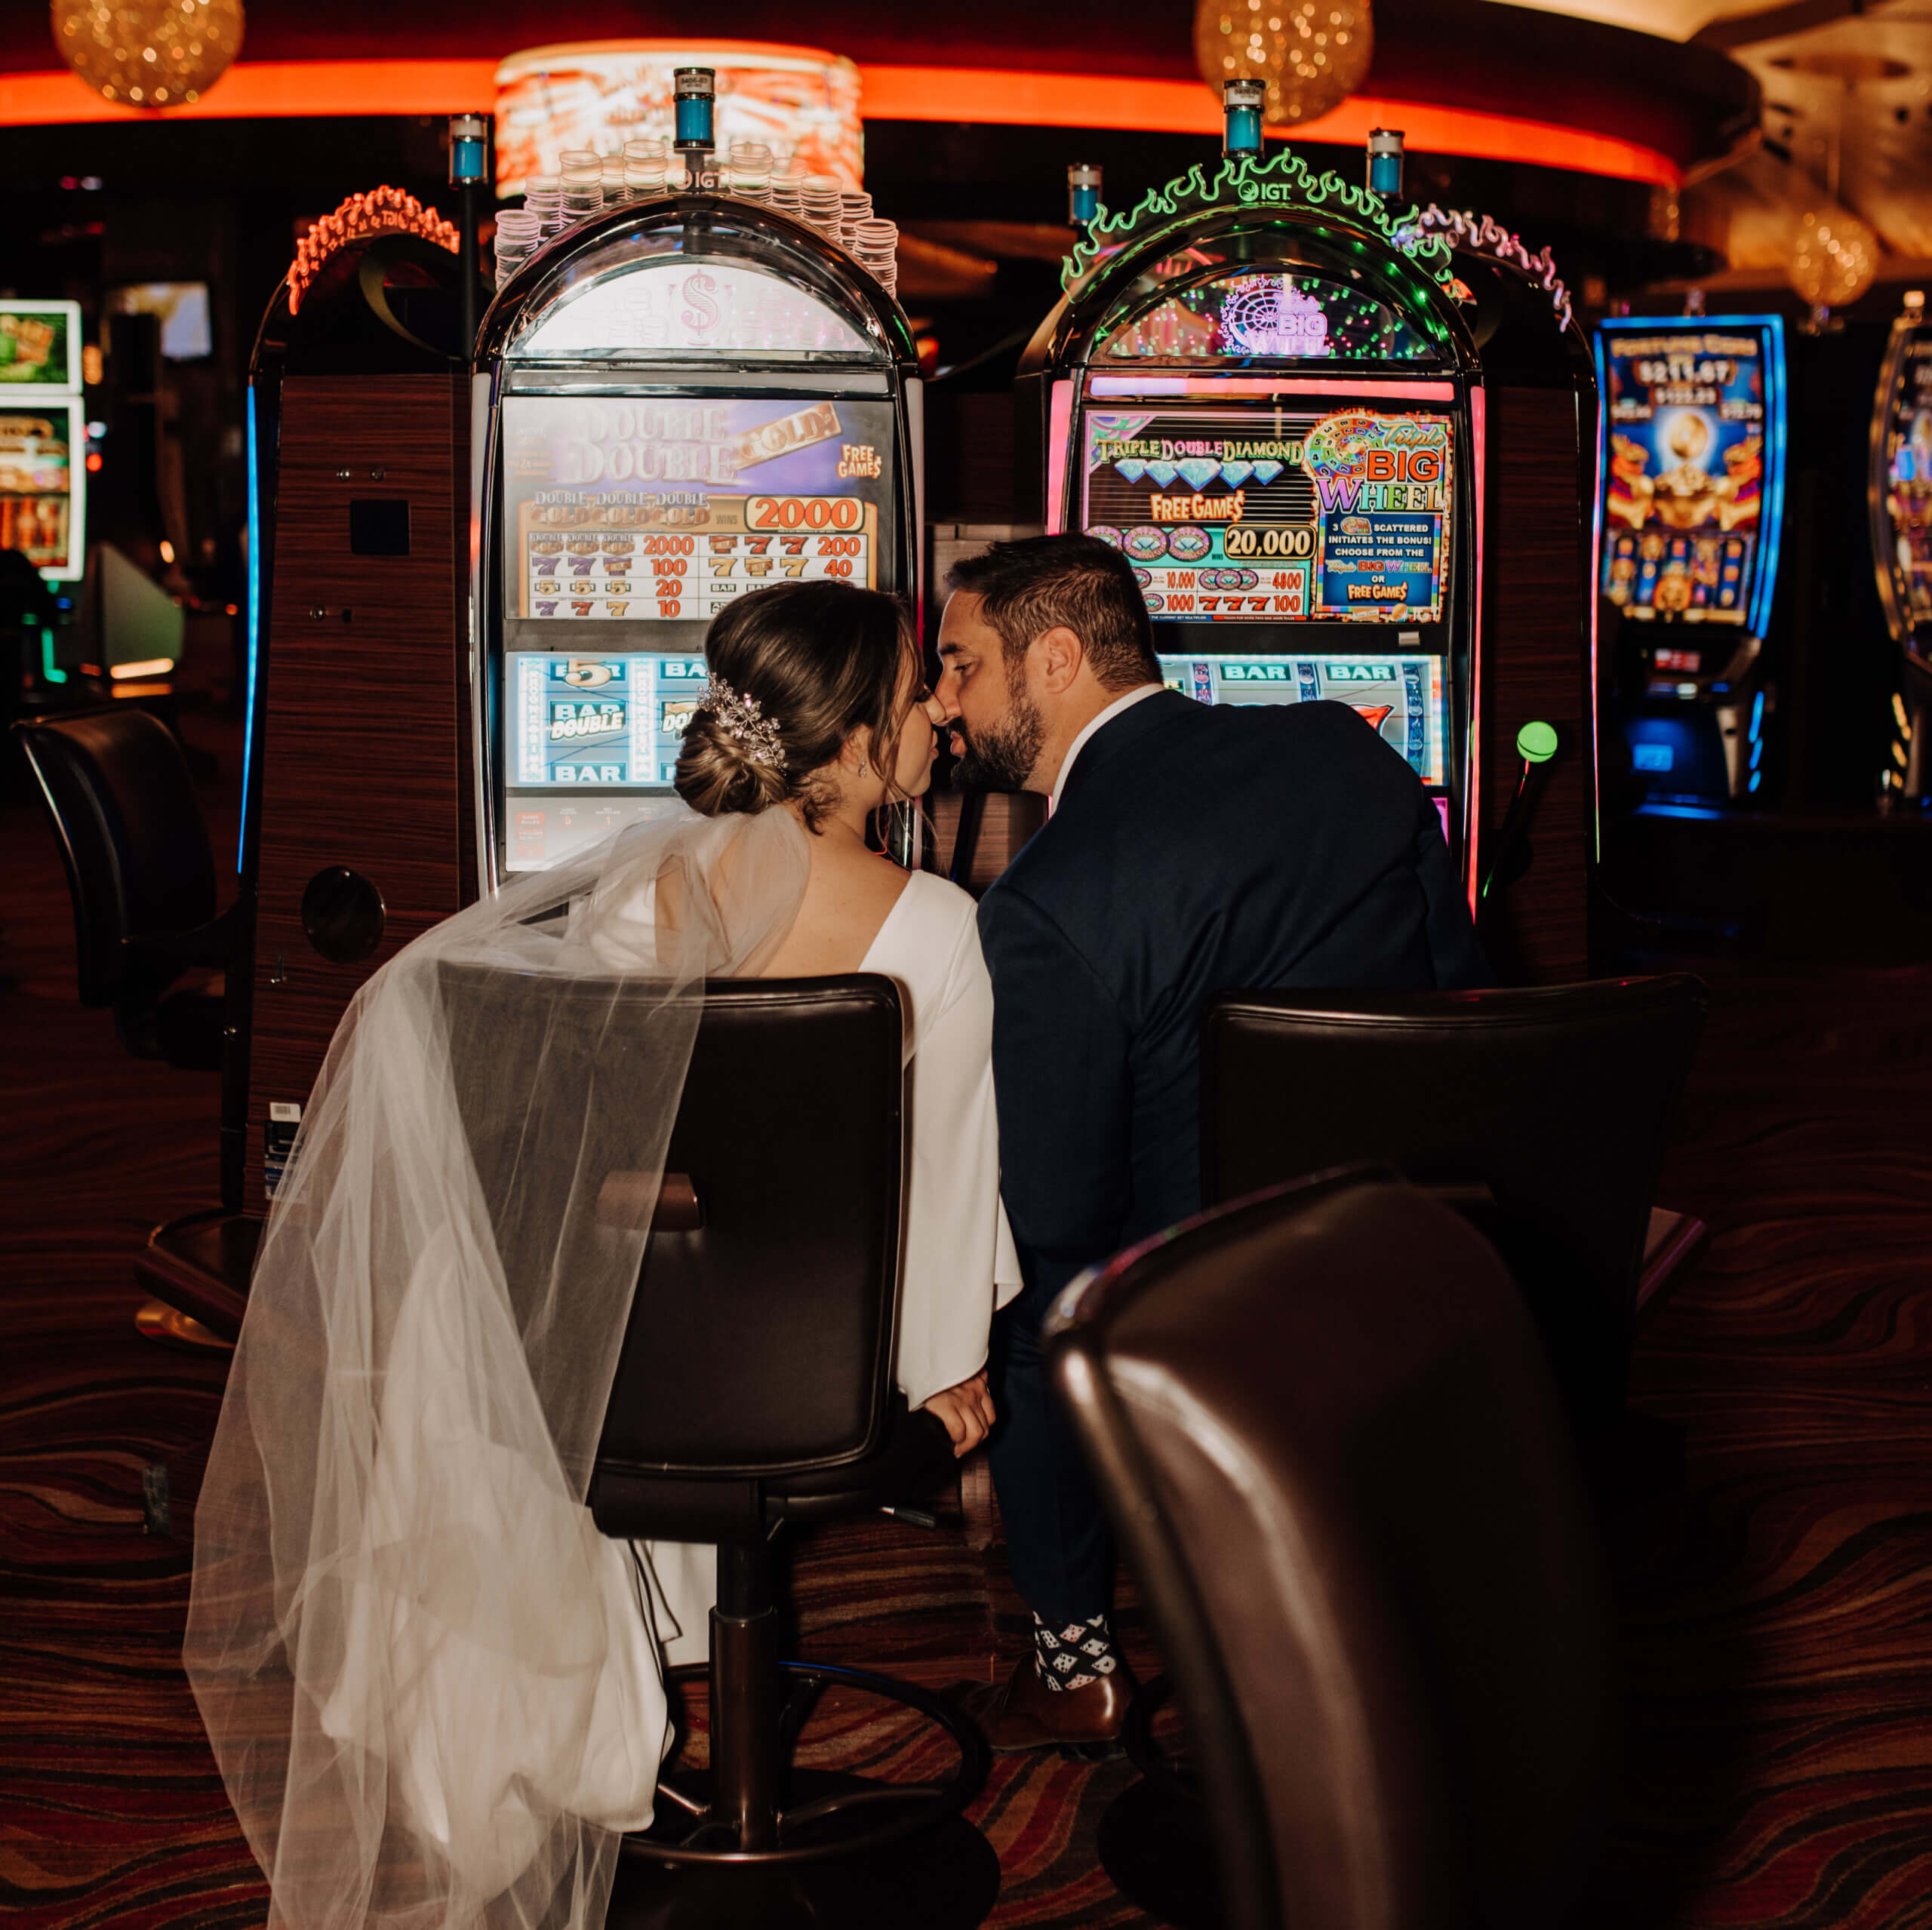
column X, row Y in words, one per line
column 1190, row 850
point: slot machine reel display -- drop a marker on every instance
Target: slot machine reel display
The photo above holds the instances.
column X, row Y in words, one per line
column 1900, row 498
column 1690, row 512
column 1258, row 387
column 679, row 403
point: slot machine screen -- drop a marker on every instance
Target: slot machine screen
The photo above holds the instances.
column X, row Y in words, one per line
column 1245, row 527
column 1692, row 481
column 629, row 522
column 1903, row 487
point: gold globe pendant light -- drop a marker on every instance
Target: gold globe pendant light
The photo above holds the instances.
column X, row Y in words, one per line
column 1310, row 55
column 1834, row 256
column 151, row 54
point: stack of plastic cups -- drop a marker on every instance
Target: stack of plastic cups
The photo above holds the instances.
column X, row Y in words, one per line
column 583, row 185
column 518, row 237
column 543, row 197
column 875, row 243
column 749, row 175
column 820, row 203
column 615, row 193
column 787, row 176
column 853, row 208
column 645, row 165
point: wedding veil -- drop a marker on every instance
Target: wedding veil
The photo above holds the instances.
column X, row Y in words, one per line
column 425, row 1675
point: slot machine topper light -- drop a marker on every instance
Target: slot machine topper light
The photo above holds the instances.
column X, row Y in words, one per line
column 675, row 403
column 1258, row 386
column 1900, row 499
column 1690, row 506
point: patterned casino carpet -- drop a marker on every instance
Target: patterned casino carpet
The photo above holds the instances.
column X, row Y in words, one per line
column 1777, row 1624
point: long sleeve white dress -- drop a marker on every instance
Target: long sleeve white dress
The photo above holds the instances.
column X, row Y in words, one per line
column 957, row 1262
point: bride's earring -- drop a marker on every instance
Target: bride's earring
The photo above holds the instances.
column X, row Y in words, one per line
column 862, row 770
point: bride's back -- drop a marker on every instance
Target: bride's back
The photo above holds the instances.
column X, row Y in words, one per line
column 815, row 707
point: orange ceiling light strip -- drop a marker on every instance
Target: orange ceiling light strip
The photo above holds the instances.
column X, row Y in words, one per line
column 1186, row 107
column 268, row 90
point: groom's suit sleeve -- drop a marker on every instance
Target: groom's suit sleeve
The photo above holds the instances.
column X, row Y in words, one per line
column 1064, row 1092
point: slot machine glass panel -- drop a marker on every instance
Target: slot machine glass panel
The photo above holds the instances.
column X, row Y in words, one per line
column 1278, row 421
column 677, row 402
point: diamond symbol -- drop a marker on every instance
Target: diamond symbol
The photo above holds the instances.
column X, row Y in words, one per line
column 1234, row 473
column 1200, row 471
column 1163, row 473
column 1266, row 472
column 1131, row 467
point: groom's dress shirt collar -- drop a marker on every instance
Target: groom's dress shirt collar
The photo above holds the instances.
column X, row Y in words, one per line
column 1105, row 717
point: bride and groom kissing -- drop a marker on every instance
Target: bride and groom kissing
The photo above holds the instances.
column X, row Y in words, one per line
column 1052, row 1079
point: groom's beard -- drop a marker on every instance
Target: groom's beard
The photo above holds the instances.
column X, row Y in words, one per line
column 1002, row 758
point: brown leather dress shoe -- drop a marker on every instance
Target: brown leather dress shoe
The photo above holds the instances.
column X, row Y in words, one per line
column 1026, row 1714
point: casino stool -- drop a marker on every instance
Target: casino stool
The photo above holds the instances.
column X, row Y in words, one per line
column 1544, row 1113
column 141, row 875
column 1330, row 1442
column 755, row 1387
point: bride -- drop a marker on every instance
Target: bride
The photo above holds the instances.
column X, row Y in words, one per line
column 434, row 1691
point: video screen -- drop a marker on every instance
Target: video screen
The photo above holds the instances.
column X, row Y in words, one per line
column 583, row 736
column 40, row 345
column 182, row 309
column 43, row 485
column 1905, row 422
column 659, row 509
column 1692, row 478
column 1401, row 696
column 1273, row 515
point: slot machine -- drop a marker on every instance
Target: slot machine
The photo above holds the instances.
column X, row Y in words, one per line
column 1900, row 497
column 1260, row 386
column 356, row 764
column 1690, row 510
column 678, row 402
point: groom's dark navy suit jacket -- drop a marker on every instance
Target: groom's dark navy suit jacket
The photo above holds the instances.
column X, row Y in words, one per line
column 1193, row 850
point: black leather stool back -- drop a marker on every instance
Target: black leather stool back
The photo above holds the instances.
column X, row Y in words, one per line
column 760, row 1339
column 132, row 834
column 1326, row 1433
column 1557, row 1100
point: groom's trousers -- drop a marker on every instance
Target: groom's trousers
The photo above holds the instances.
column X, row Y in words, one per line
column 1056, row 1541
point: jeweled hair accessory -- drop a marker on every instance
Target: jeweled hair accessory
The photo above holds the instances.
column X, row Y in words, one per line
column 743, row 719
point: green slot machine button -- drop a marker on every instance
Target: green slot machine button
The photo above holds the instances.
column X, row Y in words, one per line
column 1535, row 743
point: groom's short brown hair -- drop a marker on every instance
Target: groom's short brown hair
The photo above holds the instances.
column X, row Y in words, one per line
column 1038, row 583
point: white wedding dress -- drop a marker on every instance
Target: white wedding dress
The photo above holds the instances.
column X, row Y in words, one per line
column 432, row 1687
column 957, row 1262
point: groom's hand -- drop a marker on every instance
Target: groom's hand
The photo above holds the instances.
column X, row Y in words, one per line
column 965, row 1410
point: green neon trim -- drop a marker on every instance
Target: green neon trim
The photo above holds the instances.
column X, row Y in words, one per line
column 47, row 667
column 1283, row 181
column 1537, row 743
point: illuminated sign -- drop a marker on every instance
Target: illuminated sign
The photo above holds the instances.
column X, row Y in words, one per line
column 40, row 346
column 43, row 484
column 597, row 96
column 1691, row 484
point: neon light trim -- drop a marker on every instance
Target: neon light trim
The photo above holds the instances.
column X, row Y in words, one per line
column 1479, row 405
column 274, row 90
column 1282, row 182
column 254, row 622
column 1059, row 435
column 49, row 670
column 1386, row 389
column 1774, row 411
column 380, row 211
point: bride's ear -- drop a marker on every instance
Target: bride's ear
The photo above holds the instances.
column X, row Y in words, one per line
column 855, row 754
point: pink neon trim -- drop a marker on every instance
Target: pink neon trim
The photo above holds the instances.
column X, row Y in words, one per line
column 1247, row 384
column 1477, row 404
column 1060, row 430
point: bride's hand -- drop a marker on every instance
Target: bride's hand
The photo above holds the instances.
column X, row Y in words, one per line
column 965, row 1410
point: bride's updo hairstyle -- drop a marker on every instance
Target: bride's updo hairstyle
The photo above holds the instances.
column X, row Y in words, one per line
column 818, row 659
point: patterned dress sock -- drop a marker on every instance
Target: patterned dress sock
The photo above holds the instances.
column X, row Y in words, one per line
column 1073, row 1656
